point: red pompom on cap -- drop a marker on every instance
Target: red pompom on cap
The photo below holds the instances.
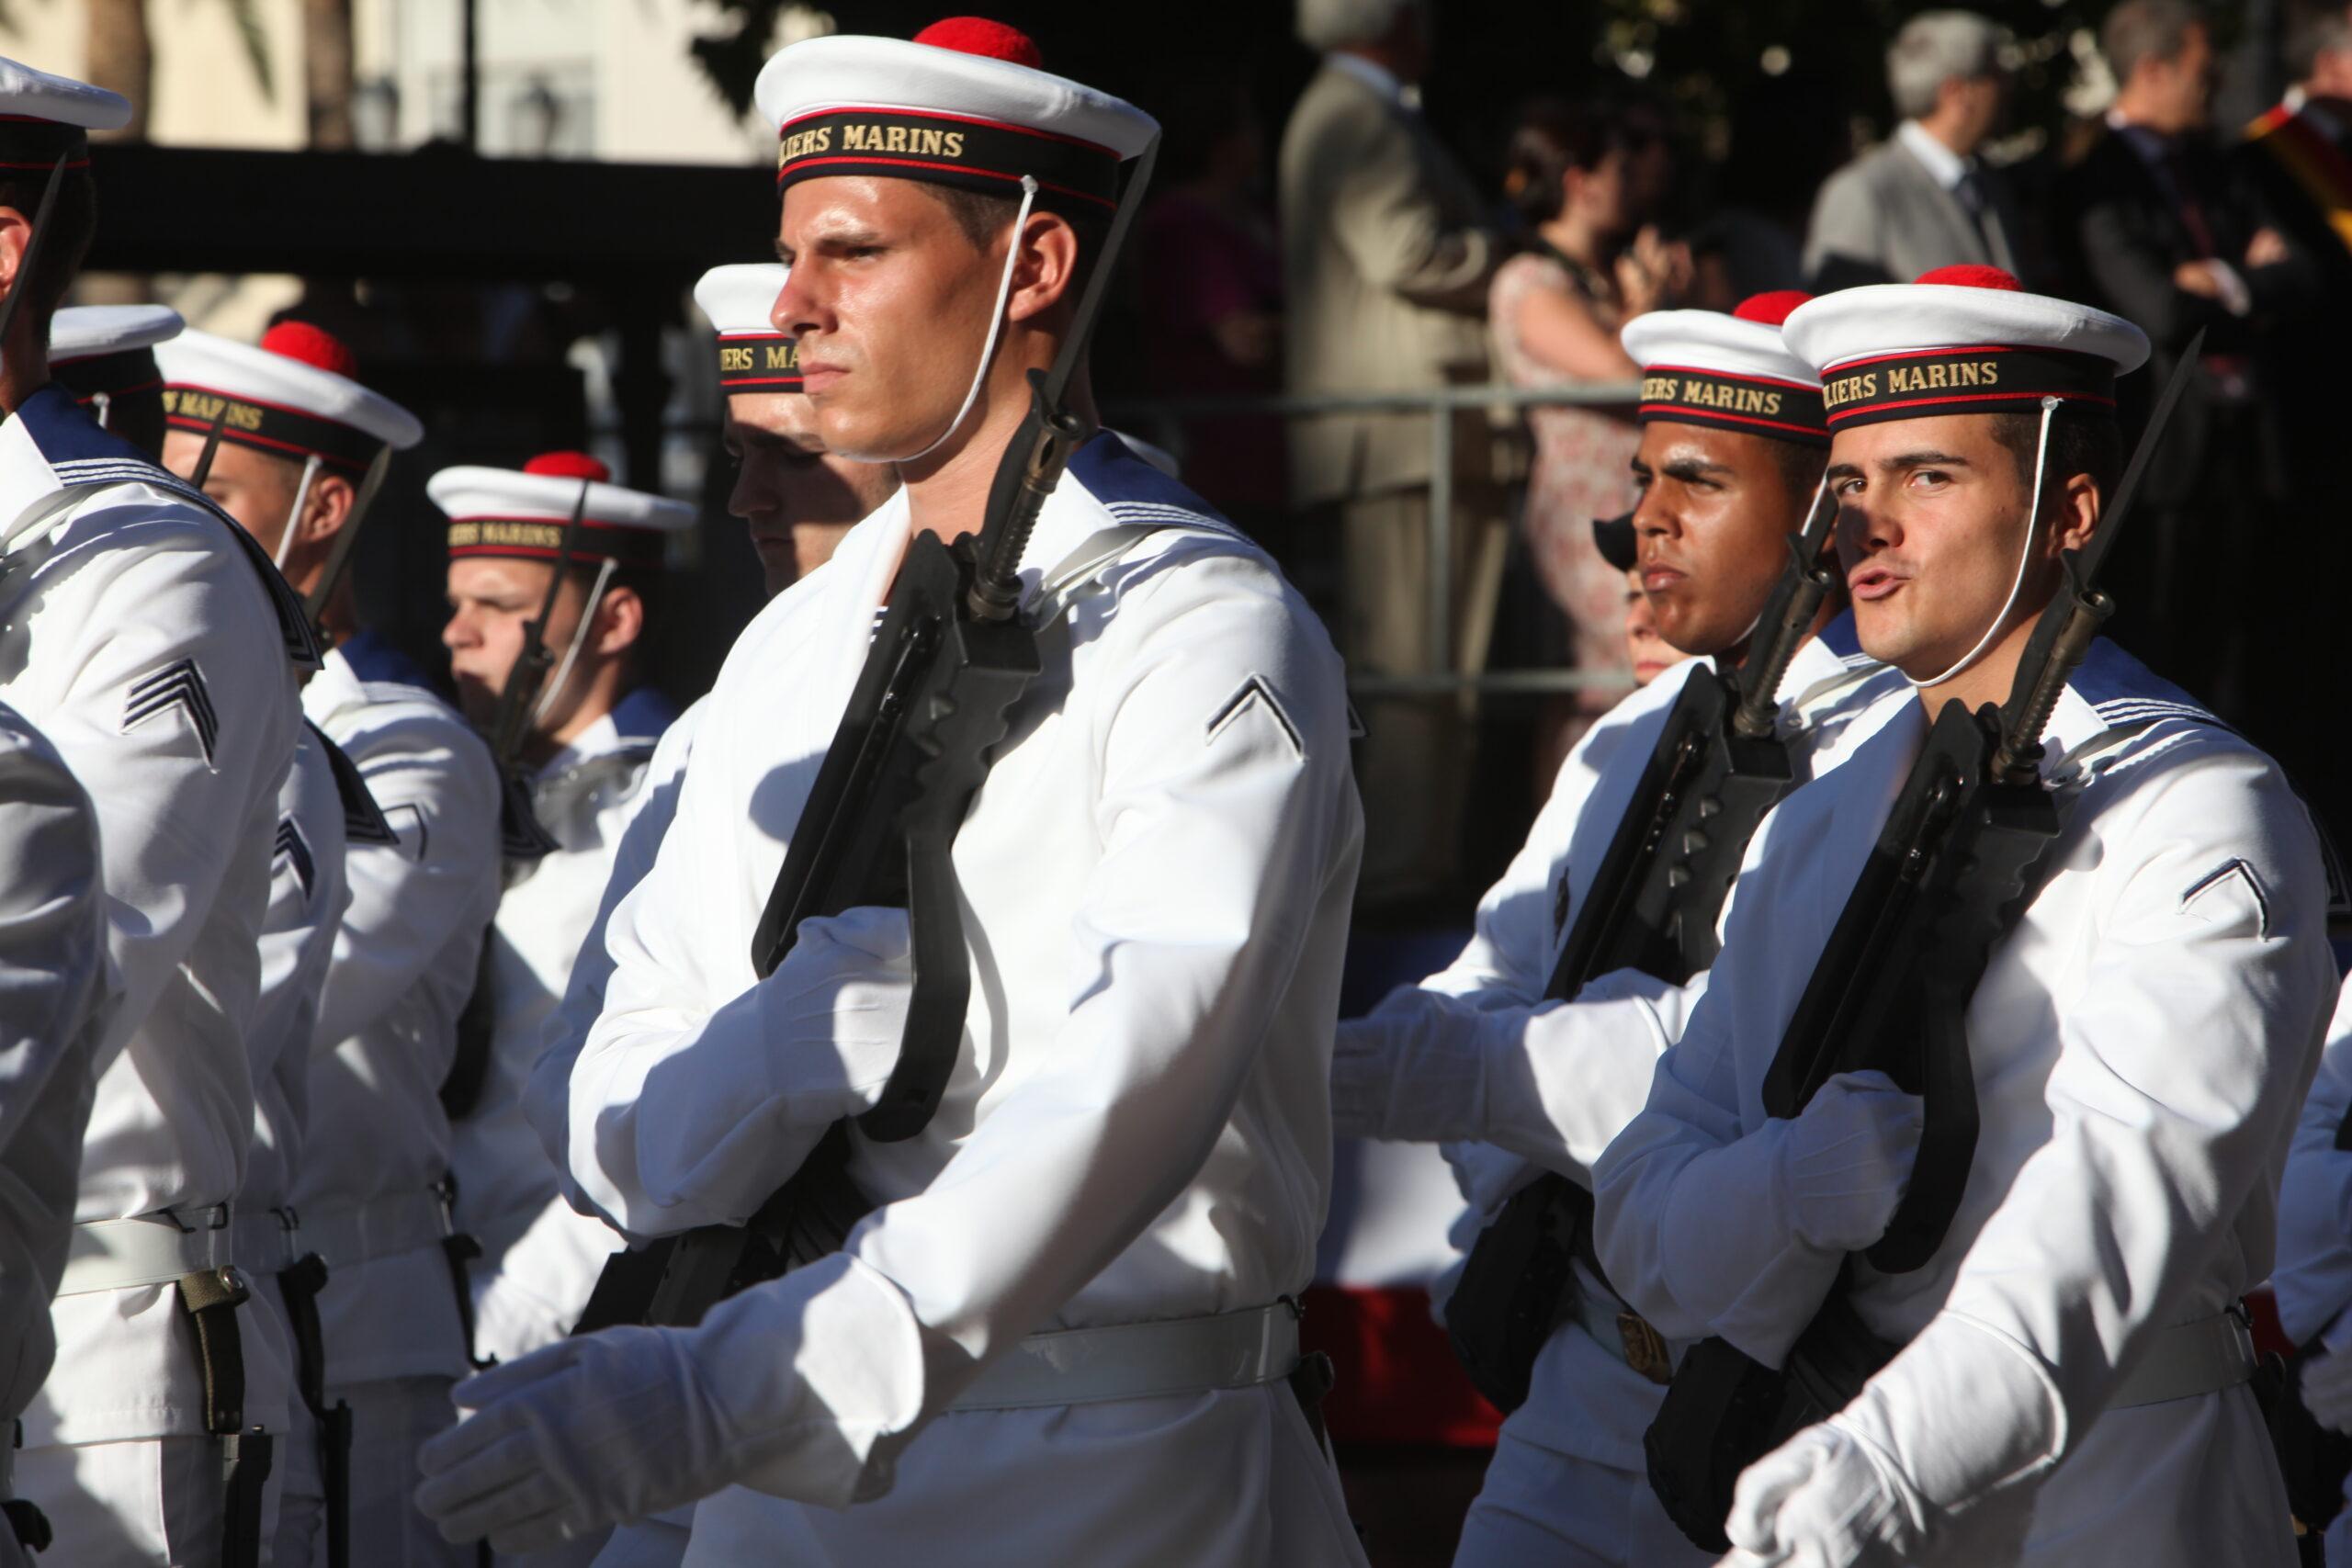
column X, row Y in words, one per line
column 992, row 40
column 313, row 346
column 1770, row 308
column 568, row 466
column 1972, row 277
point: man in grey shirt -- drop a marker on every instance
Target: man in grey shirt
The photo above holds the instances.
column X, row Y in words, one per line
column 1923, row 199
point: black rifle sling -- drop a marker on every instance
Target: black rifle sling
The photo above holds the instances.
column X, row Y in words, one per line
column 1716, row 769
column 1957, row 862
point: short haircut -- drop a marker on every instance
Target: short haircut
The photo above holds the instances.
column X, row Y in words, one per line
column 985, row 218
column 1936, row 47
column 1326, row 25
column 72, row 223
column 2080, row 443
column 1802, row 465
column 2324, row 33
column 2145, row 29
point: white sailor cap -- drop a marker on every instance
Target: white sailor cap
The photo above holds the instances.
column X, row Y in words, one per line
column 1960, row 340
column 752, row 355
column 294, row 396
column 504, row 512
column 1730, row 371
column 43, row 118
column 962, row 103
column 108, row 350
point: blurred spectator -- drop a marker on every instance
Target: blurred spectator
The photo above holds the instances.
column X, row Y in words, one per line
column 1210, row 285
column 1588, row 178
column 1923, row 199
column 2297, row 158
column 1386, row 266
column 2160, row 231
column 1649, row 653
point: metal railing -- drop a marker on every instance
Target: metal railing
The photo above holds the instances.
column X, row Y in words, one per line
column 1156, row 417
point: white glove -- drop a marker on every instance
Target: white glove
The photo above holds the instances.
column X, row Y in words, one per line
column 1822, row 1499
column 672, row 1132
column 837, row 1008
column 1847, row 1158
column 2325, row 1387
column 1414, row 1070
column 787, row 1387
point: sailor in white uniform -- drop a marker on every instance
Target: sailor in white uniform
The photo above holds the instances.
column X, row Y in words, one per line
column 585, row 753
column 2072, row 1380
column 1131, row 1156
column 2314, row 1279
column 105, row 355
column 157, row 651
column 58, row 1001
column 371, row 1192
column 1733, row 437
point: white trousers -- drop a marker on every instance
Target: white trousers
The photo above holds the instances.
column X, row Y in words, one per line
column 147, row 1503
column 390, row 1419
column 1540, row 1508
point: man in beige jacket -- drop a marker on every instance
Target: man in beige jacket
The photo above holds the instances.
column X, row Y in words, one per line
column 1386, row 271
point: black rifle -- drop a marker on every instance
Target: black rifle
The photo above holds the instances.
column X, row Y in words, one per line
column 934, row 699
column 1717, row 768
column 1949, row 876
column 518, row 700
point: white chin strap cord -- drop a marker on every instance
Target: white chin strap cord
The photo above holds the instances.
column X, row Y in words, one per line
column 996, row 324
column 579, row 640
column 2024, row 553
column 294, row 513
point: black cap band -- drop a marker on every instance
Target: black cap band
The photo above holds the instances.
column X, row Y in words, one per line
column 1924, row 383
column 35, row 145
column 944, row 149
column 765, row 362
column 1755, row 405
column 272, row 428
column 110, row 375
column 541, row 538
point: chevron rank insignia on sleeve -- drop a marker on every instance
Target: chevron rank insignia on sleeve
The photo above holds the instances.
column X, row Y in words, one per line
column 179, row 684
column 294, row 849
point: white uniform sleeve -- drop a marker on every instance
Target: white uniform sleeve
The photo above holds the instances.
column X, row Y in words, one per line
column 2314, row 1277
column 2179, row 1073
column 54, row 983
column 1218, row 845
column 547, row 1096
column 1690, row 1261
column 434, row 783
column 54, row 998
column 176, row 712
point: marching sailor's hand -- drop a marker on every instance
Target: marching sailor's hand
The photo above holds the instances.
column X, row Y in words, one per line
column 1849, row 1158
column 837, row 1005
column 1822, row 1499
column 786, row 1387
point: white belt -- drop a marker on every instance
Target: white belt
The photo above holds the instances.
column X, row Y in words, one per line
column 270, row 1242
column 1141, row 1361
column 351, row 1234
column 2194, row 1359
column 146, row 1249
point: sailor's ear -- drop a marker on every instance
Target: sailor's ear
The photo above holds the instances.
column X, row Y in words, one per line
column 329, row 508
column 2075, row 508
